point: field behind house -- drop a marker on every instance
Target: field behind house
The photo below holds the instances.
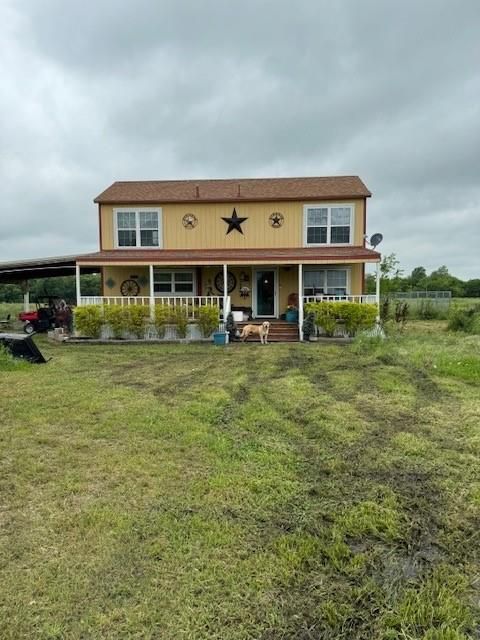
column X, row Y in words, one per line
column 289, row 492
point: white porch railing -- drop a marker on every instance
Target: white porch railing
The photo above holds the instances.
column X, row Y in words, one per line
column 361, row 299
column 191, row 303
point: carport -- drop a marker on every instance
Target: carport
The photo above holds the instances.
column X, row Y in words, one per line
column 21, row 272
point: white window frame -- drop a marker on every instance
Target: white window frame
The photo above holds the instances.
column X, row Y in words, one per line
column 329, row 206
column 137, row 210
column 174, row 294
column 321, row 267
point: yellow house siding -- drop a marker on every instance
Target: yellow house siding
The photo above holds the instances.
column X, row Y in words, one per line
column 118, row 274
column 210, row 231
column 356, row 279
column 106, row 226
column 359, row 227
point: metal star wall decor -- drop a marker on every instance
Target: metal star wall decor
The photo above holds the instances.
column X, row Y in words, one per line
column 276, row 219
column 234, row 222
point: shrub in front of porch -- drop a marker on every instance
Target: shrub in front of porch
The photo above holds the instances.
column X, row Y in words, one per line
column 116, row 318
column 163, row 316
column 89, row 320
column 208, row 319
column 180, row 318
column 136, row 317
column 354, row 316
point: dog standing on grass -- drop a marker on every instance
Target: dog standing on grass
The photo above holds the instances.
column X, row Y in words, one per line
column 256, row 329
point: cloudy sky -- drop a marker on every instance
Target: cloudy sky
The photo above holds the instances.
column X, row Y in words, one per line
column 110, row 90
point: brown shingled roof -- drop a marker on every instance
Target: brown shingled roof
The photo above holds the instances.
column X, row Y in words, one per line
column 294, row 255
column 244, row 189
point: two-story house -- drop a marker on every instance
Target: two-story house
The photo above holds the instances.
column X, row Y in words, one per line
column 276, row 241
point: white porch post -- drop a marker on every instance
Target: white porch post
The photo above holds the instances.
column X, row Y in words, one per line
column 377, row 291
column 77, row 281
column 300, row 301
column 26, row 295
column 225, row 292
column 152, row 294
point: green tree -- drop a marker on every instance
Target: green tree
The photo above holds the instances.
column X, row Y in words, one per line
column 418, row 274
column 472, row 288
column 390, row 274
column 442, row 280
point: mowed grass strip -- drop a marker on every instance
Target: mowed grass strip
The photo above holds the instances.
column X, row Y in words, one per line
column 288, row 491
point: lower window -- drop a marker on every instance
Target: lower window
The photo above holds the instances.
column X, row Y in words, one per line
column 180, row 283
column 332, row 282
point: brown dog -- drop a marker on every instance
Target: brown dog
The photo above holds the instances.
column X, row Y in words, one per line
column 256, row 329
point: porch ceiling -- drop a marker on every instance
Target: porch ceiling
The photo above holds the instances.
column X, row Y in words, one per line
column 298, row 255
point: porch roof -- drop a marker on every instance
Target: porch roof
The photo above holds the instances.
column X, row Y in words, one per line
column 293, row 255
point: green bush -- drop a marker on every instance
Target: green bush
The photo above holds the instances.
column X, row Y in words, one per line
column 465, row 319
column 136, row 316
column 163, row 316
column 89, row 320
column 208, row 319
column 9, row 363
column 401, row 314
column 426, row 310
column 116, row 318
column 180, row 318
column 355, row 316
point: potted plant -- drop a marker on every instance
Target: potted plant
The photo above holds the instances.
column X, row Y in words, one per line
column 292, row 313
column 231, row 327
column 308, row 328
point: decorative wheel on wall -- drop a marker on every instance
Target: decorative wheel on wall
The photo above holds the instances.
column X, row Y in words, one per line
column 231, row 281
column 129, row 288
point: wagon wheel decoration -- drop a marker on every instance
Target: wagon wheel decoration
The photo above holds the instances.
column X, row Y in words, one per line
column 129, row 288
column 231, row 282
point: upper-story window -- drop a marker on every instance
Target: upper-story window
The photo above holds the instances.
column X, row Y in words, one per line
column 138, row 227
column 328, row 224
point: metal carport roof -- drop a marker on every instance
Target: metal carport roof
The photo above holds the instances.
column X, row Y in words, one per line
column 20, row 270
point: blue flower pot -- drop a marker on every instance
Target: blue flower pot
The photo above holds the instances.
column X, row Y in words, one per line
column 292, row 315
column 219, row 338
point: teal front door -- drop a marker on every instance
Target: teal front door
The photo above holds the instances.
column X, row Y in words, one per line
column 265, row 293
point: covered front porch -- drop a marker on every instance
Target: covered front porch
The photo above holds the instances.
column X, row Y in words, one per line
column 257, row 290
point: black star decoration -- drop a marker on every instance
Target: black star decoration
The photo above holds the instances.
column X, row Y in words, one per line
column 234, row 222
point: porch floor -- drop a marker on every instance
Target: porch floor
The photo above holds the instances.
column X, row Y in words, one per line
column 280, row 330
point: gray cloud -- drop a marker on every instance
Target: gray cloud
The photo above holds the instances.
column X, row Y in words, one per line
column 213, row 89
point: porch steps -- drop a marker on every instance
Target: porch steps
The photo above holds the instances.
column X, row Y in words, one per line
column 280, row 331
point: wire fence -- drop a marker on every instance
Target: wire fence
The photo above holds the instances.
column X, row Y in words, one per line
column 421, row 295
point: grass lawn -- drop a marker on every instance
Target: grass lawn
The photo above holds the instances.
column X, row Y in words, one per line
column 281, row 492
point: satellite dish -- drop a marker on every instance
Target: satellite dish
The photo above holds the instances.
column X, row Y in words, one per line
column 376, row 239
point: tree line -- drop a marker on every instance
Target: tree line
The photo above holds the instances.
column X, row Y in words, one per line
column 393, row 280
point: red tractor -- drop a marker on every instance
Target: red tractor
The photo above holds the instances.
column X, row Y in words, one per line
column 48, row 314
